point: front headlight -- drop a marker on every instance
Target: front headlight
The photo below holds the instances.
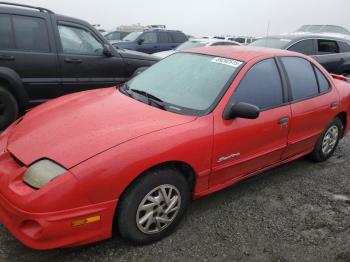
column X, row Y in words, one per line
column 42, row 172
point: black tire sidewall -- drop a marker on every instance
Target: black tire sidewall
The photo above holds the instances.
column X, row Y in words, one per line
column 128, row 205
column 11, row 108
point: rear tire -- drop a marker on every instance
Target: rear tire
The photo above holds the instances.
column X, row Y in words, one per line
column 8, row 108
column 153, row 206
column 328, row 141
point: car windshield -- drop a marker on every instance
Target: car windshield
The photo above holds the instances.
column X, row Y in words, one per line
column 132, row 36
column 323, row 28
column 191, row 44
column 186, row 83
column 279, row 43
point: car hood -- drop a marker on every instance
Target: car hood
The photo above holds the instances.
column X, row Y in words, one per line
column 125, row 53
column 72, row 129
column 165, row 53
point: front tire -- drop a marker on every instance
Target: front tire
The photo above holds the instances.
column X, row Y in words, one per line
column 328, row 141
column 8, row 108
column 153, row 206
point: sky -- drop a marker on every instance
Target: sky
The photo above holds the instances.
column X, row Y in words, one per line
column 206, row 17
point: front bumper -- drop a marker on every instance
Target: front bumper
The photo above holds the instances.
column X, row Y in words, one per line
column 52, row 230
column 32, row 216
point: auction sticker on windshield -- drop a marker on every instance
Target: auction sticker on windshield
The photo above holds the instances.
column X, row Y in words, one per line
column 226, row 61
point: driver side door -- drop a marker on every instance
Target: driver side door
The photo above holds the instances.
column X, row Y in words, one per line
column 244, row 146
column 83, row 64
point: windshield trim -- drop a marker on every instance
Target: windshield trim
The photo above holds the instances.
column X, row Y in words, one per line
column 210, row 109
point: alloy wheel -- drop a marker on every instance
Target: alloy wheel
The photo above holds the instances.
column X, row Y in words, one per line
column 158, row 209
column 330, row 140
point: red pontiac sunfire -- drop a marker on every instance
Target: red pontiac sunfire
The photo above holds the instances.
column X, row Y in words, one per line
column 131, row 158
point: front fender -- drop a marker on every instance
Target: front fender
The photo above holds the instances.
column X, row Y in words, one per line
column 16, row 86
column 106, row 176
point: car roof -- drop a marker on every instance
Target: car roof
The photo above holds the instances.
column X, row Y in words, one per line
column 302, row 35
column 241, row 53
column 210, row 40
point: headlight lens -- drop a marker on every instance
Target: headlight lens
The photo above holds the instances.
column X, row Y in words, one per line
column 42, row 172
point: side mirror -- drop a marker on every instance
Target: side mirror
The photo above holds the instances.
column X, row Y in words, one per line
column 241, row 110
column 140, row 41
column 107, row 50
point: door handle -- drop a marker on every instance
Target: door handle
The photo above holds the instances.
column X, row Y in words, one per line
column 283, row 120
column 334, row 105
column 7, row 58
column 73, row 60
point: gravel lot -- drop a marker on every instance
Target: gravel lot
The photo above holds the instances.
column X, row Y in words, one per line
column 297, row 212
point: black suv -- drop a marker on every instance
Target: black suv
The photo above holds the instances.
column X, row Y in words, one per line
column 44, row 55
column 330, row 51
column 152, row 41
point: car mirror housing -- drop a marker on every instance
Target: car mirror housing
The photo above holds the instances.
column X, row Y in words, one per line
column 107, row 50
column 140, row 41
column 241, row 110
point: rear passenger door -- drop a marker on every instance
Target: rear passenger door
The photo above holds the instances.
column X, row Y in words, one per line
column 27, row 47
column 313, row 104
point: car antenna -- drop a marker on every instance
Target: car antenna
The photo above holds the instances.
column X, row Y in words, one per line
column 267, row 32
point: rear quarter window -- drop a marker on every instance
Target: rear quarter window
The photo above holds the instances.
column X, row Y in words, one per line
column 322, row 81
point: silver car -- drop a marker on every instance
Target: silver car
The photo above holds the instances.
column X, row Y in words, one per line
column 199, row 42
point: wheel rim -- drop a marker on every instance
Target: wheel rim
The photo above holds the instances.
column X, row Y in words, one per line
column 330, row 140
column 158, row 209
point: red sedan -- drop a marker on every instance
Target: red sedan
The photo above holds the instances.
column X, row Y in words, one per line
column 130, row 159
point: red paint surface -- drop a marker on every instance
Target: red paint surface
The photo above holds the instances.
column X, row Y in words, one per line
column 106, row 140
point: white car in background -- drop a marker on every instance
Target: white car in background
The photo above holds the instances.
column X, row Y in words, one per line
column 199, row 42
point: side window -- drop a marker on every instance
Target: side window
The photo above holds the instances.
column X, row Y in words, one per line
column 165, row 37
column 305, row 47
column 75, row 40
column 149, row 38
column 322, row 81
column 179, row 37
column 113, row 36
column 344, row 47
column 6, row 36
column 301, row 77
column 31, row 34
column 261, row 86
column 327, row 47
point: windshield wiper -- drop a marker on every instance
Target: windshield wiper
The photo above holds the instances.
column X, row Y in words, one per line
column 125, row 90
column 152, row 99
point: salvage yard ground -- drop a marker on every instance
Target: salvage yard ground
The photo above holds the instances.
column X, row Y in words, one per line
column 297, row 212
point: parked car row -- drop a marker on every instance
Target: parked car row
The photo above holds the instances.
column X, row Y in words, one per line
column 199, row 42
column 44, row 55
column 330, row 51
column 152, row 41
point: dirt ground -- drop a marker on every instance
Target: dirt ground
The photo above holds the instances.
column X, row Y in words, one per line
column 296, row 212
